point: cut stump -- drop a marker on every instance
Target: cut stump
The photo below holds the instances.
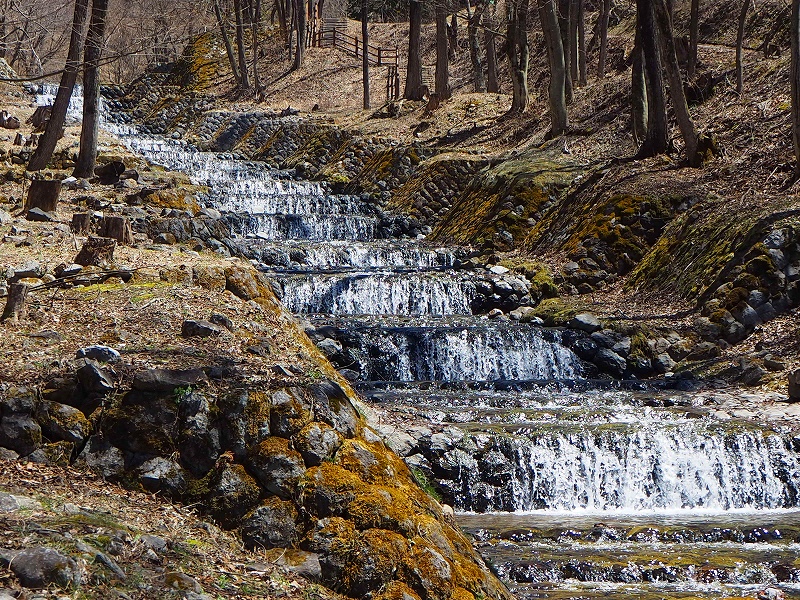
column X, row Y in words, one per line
column 118, row 228
column 98, row 252
column 81, row 223
column 43, row 194
column 15, row 304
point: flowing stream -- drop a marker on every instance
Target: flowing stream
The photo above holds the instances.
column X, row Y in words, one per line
column 571, row 491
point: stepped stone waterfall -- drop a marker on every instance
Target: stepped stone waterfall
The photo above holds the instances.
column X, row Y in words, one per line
column 571, row 489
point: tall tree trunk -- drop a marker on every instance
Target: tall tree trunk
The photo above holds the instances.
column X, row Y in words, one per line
column 244, row 78
column 300, row 24
column 605, row 13
column 473, row 22
column 564, row 25
column 694, row 39
column 413, row 89
column 739, row 44
column 365, row 58
column 558, row 71
column 638, row 96
column 581, row 43
column 518, row 51
column 255, row 23
column 452, row 35
column 227, row 40
column 688, row 130
column 442, row 59
column 572, row 18
column 492, row 82
column 794, row 32
column 84, row 166
column 656, row 141
column 52, row 133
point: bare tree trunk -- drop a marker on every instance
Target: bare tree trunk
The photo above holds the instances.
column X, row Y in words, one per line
column 739, row 44
column 227, row 40
column 605, row 13
column 84, row 166
column 492, row 83
column 300, row 22
column 442, row 59
column 572, row 19
column 558, row 71
column 255, row 23
column 694, row 39
column 794, row 31
column 581, row 43
column 518, row 51
column 413, row 88
column 688, row 130
column 638, row 96
column 365, row 59
column 47, row 143
column 656, row 141
column 564, row 9
column 452, row 35
column 244, row 77
column 473, row 22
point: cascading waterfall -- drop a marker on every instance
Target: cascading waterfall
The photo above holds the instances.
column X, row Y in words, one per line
column 429, row 293
column 487, row 352
column 500, row 448
column 637, row 467
column 339, row 254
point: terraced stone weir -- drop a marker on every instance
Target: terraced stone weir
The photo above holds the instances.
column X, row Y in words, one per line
column 572, row 489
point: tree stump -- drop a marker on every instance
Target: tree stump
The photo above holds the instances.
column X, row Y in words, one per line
column 118, row 228
column 15, row 303
column 98, row 252
column 81, row 223
column 43, row 194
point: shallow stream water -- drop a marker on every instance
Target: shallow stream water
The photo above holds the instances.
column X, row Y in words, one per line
column 570, row 491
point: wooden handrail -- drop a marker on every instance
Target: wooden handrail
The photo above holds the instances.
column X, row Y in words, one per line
column 353, row 45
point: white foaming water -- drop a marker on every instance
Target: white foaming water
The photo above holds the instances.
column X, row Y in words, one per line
column 47, row 96
column 311, row 227
column 479, row 354
column 379, row 294
column 357, row 254
column 642, row 467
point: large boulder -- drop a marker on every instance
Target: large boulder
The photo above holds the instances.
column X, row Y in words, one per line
column 42, row 567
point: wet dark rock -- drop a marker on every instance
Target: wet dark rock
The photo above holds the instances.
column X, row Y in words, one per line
column 794, row 386
column 193, row 328
column 585, row 322
column 42, row 567
column 663, row 363
column 222, row 321
column 276, row 467
column 610, row 362
column 93, row 378
column 20, row 433
column 41, row 216
column 163, row 476
column 167, row 380
column 99, row 353
column 63, row 422
column 317, row 442
column 704, row 351
column 233, row 495
column 103, row 458
column 273, row 524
